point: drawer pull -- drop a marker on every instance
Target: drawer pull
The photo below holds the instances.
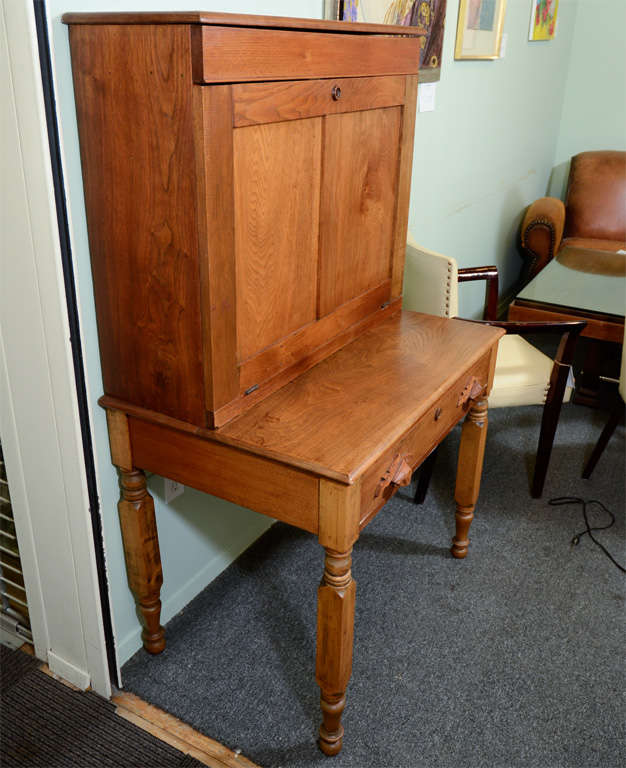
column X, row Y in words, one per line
column 336, row 92
column 470, row 391
column 399, row 473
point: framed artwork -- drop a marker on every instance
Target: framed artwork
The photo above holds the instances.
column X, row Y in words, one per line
column 479, row 29
column 543, row 19
column 428, row 14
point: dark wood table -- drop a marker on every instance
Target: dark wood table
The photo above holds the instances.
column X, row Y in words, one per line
column 581, row 284
column 578, row 284
column 324, row 454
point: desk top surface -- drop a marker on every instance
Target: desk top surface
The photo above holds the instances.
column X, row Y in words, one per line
column 339, row 416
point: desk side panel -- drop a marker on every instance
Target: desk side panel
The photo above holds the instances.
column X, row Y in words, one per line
column 260, row 484
column 133, row 99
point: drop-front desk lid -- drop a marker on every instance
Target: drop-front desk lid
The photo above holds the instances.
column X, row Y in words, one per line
column 336, row 418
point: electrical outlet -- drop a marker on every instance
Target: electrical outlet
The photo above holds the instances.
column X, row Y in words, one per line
column 172, row 489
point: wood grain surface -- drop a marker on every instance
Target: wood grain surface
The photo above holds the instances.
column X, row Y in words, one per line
column 252, row 481
column 357, row 204
column 339, row 416
column 272, row 102
column 277, row 188
column 213, row 139
column 133, row 101
column 240, row 20
column 230, row 55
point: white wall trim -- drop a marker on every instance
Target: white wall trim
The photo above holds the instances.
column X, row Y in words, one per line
column 44, row 439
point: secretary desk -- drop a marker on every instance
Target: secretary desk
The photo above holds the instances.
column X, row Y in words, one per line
column 247, row 185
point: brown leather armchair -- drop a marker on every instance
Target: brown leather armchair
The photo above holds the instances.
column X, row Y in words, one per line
column 593, row 217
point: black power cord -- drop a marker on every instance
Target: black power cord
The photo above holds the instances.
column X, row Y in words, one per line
column 561, row 500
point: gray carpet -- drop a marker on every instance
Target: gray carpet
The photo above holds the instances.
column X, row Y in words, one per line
column 512, row 657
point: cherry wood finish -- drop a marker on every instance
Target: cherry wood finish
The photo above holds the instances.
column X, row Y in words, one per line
column 239, row 231
column 255, row 103
column 471, row 452
column 240, row 20
column 272, row 54
column 248, row 275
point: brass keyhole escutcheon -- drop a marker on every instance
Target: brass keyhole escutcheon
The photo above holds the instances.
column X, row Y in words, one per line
column 336, row 92
column 437, row 414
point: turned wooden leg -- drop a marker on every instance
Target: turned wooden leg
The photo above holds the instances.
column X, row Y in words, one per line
column 470, row 466
column 143, row 559
column 335, row 634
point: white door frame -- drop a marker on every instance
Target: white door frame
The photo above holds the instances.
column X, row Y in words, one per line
column 39, row 417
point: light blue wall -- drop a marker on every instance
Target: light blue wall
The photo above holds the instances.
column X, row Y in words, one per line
column 481, row 157
column 199, row 535
column 487, row 150
column 594, row 105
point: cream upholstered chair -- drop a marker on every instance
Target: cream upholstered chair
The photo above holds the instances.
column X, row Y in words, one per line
column 524, row 375
column 617, row 412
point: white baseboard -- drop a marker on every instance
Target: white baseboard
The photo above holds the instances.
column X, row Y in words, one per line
column 175, row 602
column 58, row 666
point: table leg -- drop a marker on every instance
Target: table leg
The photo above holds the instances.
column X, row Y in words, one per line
column 471, row 454
column 338, row 530
column 335, row 634
column 139, row 534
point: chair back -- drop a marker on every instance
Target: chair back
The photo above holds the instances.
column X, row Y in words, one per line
column 596, row 196
column 430, row 282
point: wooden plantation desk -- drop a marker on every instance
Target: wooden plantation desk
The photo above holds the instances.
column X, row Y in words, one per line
column 247, row 185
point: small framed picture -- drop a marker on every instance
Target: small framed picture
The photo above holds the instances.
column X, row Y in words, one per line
column 479, row 29
column 543, row 19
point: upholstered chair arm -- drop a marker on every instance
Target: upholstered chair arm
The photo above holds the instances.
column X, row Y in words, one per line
column 542, row 230
column 490, row 274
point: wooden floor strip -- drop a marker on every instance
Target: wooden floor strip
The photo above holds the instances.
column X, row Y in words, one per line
column 173, row 731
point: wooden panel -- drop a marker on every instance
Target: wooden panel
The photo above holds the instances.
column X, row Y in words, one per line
column 252, row 481
column 420, row 440
column 305, row 342
column 339, row 416
column 272, row 102
column 277, row 182
column 300, row 365
column 404, row 186
column 133, row 99
column 216, row 237
column 603, row 327
column 227, row 54
column 358, row 203
column 239, row 20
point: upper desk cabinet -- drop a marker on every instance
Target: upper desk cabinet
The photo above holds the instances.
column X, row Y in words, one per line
column 247, row 185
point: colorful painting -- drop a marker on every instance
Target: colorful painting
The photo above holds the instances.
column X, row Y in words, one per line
column 543, row 19
column 479, row 29
column 428, row 14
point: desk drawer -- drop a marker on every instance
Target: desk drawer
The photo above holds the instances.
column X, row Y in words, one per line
column 231, row 55
column 420, row 440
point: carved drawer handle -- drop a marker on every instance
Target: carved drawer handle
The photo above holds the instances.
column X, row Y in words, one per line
column 470, row 391
column 336, row 92
column 399, row 473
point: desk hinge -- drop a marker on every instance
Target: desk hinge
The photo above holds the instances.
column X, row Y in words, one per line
column 251, row 389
